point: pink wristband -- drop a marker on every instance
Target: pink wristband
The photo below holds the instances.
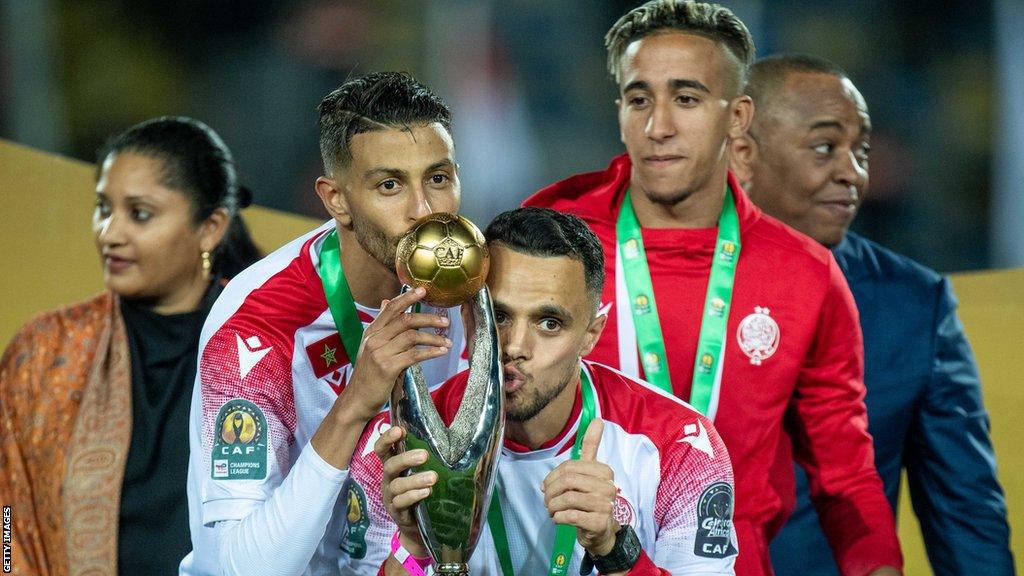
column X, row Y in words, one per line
column 414, row 565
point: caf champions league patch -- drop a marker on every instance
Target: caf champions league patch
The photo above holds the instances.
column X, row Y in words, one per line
column 714, row 522
column 353, row 539
column 240, row 447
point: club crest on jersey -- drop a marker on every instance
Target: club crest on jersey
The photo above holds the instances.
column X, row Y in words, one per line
column 623, row 509
column 240, row 446
column 357, row 520
column 758, row 335
column 714, row 522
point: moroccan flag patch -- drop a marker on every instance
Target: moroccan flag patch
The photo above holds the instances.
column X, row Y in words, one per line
column 327, row 355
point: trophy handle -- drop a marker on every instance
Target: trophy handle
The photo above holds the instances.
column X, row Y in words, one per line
column 465, row 454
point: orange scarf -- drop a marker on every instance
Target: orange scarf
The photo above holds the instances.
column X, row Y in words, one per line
column 65, row 428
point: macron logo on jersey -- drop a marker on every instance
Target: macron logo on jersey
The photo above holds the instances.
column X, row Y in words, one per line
column 379, row 428
column 695, row 435
column 250, row 353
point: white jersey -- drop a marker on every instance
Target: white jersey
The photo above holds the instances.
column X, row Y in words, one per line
column 271, row 366
column 672, row 472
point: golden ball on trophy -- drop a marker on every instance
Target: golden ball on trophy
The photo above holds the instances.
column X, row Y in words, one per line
column 446, row 254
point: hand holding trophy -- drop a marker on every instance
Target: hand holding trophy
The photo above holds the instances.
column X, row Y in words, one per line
column 446, row 255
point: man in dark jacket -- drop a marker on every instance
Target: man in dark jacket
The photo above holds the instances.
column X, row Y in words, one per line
column 805, row 161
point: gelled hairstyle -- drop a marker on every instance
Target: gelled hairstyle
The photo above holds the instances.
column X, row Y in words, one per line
column 711, row 21
column 546, row 232
column 378, row 101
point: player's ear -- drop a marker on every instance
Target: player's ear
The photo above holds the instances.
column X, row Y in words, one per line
column 594, row 331
column 742, row 113
column 330, row 193
column 742, row 154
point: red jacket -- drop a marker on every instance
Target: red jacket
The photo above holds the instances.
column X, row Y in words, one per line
column 805, row 396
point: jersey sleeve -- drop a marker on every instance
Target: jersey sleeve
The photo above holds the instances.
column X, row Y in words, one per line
column 246, row 419
column 366, row 538
column 694, row 505
column 252, row 499
column 828, row 422
column 280, row 536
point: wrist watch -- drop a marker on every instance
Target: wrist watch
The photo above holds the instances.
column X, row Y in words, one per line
column 623, row 555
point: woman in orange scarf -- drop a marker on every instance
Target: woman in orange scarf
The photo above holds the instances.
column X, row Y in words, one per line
column 94, row 398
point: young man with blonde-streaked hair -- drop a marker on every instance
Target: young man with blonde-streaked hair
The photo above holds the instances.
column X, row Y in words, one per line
column 723, row 306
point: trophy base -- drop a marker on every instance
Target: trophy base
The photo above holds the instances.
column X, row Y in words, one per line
column 452, row 569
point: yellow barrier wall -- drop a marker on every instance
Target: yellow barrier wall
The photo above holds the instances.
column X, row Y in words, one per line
column 49, row 259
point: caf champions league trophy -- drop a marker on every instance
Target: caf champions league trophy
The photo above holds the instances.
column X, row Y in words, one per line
column 446, row 254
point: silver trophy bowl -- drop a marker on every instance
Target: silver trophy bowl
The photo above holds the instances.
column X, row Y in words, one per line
column 465, row 454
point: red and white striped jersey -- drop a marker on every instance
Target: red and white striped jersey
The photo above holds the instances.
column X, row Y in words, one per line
column 672, row 472
column 271, row 366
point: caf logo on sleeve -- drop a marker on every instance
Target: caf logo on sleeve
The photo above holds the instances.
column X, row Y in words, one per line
column 240, row 447
column 357, row 520
column 714, row 522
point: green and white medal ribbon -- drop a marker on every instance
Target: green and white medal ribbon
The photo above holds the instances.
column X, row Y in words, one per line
column 339, row 296
column 565, row 535
column 633, row 272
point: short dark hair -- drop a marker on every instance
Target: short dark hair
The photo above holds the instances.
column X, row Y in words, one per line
column 377, row 101
column 196, row 162
column 546, row 232
column 768, row 76
column 711, row 21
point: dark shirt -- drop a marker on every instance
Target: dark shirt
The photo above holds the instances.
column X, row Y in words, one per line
column 154, row 534
column 926, row 414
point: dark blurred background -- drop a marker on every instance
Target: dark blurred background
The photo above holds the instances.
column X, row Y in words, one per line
column 532, row 102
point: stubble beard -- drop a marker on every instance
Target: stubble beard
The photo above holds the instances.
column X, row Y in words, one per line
column 669, row 198
column 692, row 181
column 538, row 399
column 376, row 242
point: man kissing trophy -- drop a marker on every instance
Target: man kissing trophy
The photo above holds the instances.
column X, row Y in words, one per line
column 446, row 254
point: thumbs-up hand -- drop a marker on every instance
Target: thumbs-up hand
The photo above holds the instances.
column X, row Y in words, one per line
column 582, row 492
column 592, row 441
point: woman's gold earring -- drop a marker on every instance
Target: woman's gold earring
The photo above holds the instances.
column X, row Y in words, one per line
column 207, row 265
